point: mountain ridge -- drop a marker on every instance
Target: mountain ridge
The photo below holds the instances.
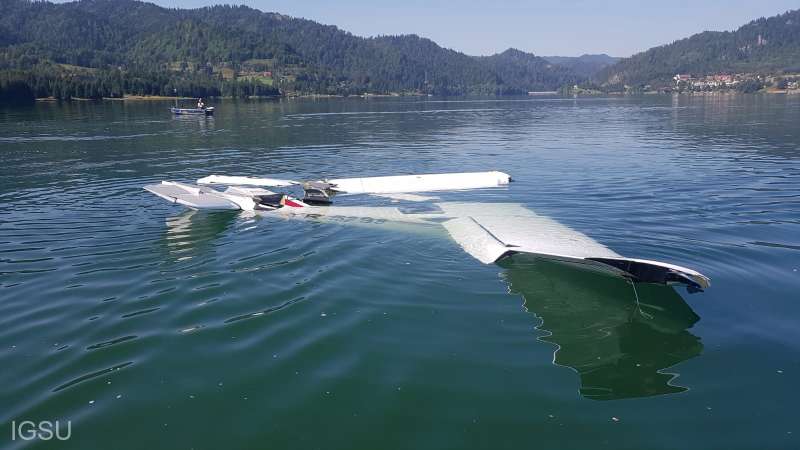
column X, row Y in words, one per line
column 586, row 65
column 239, row 51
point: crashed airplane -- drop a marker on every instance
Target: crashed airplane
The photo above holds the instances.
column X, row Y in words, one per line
column 487, row 231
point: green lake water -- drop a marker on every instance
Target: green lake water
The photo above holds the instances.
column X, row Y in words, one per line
column 150, row 326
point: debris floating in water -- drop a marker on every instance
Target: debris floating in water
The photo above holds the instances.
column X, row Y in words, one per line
column 615, row 419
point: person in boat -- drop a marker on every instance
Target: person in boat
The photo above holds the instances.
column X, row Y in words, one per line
column 200, row 104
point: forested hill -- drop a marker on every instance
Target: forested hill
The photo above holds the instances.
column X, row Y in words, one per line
column 762, row 46
column 95, row 48
column 584, row 65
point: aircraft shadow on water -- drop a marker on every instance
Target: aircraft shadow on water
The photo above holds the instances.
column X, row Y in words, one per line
column 619, row 346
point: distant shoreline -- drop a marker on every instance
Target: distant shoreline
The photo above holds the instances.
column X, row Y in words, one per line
column 161, row 98
column 117, row 99
column 138, row 98
column 148, row 98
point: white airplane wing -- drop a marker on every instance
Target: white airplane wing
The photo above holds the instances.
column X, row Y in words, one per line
column 420, row 183
column 382, row 185
column 245, row 181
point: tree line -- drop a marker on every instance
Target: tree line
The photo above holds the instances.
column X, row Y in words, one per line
column 108, row 48
column 20, row 87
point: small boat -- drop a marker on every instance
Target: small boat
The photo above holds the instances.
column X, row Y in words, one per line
column 194, row 111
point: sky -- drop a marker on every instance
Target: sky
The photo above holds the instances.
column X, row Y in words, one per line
column 547, row 28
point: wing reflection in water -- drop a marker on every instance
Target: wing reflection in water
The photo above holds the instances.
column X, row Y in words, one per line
column 619, row 349
column 193, row 232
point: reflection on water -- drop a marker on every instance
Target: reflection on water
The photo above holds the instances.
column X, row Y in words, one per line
column 193, row 232
column 204, row 123
column 619, row 349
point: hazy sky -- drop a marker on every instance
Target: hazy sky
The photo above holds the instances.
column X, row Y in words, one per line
column 571, row 27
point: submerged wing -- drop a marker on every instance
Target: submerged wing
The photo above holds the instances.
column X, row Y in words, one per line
column 400, row 196
column 420, row 183
column 497, row 230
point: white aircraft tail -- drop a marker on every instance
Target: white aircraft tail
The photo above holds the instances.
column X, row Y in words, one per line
column 500, row 230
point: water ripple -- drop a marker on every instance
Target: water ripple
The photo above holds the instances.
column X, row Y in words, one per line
column 264, row 317
column 92, row 375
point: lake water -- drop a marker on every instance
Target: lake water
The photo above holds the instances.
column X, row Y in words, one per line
column 150, row 326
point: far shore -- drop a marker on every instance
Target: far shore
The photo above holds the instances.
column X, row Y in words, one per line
column 148, row 98
column 163, row 98
column 124, row 98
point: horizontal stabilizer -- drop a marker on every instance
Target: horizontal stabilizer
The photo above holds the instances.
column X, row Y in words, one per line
column 509, row 229
column 475, row 239
column 525, row 231
column 421, row 183
column 196, row 197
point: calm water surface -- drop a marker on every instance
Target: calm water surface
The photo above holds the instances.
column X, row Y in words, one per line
column 150, row 326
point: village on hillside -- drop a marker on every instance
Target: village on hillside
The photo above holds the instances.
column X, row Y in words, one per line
column 788, row 83
column 745, row 82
